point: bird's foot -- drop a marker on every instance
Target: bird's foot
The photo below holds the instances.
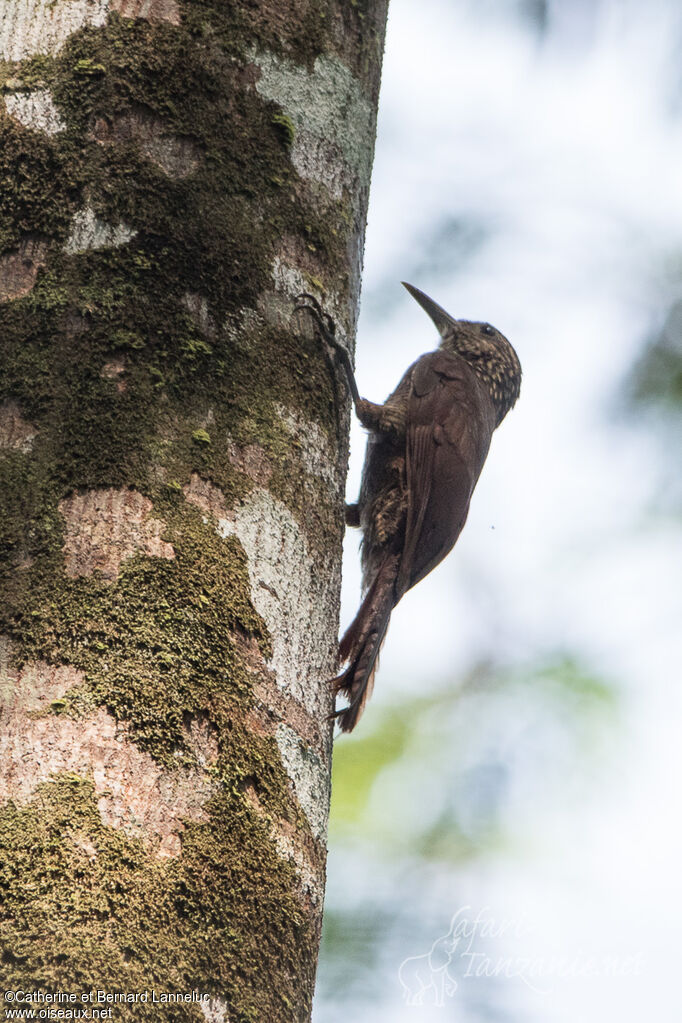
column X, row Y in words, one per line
column 327, row 330
column 323, row 321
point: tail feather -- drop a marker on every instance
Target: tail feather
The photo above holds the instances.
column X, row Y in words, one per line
column 362, row 642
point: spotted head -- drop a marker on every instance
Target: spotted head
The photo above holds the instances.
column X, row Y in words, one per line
column 490, row 355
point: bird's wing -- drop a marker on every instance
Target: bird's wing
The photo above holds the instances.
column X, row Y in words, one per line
column 449, row 425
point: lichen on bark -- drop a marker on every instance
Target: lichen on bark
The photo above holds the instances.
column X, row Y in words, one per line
column 158, row 410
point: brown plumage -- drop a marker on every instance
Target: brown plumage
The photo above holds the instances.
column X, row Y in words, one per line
column 426, row 447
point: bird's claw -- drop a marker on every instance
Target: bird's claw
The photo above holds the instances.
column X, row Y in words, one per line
column 327, row 329
column 322, row 319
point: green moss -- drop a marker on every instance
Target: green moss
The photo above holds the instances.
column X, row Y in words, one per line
column 206, row 222
column 156, row 645
column 285, row 127
column 86, row 66
column 219, row 919
column 163, row 644
column 158, row 649
column 30, row 74
column 38, row 195
column 200, row 235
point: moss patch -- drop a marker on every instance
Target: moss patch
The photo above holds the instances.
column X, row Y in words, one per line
column 212, row 234
column 219, row 919
column 156, row 645
column 83, row 905
column 158, row 648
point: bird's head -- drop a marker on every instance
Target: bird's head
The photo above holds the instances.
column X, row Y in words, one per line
column 490, row 355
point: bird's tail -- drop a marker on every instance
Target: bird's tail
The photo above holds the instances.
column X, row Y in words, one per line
column 362, row 642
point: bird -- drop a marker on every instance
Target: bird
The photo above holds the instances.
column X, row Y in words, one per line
column 426, row 447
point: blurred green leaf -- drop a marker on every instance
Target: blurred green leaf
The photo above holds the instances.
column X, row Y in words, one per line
column 359, row 760
column 442, row 762
column 656, row 378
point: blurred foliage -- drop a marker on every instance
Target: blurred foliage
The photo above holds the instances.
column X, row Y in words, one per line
column 352, row 943
column 429, row 784
column 656, row 378
column 428, row 776
column 359, row 760
column 535, row 13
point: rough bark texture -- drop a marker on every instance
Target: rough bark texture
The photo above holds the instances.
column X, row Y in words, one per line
column 172, row 455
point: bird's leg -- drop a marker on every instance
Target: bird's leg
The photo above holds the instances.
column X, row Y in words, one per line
column 386, row 418
column 327, row 330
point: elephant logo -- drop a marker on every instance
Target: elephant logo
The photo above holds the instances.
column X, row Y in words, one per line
column 426, row 979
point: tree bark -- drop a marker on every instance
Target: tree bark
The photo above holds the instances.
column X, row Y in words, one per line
column 172, row 457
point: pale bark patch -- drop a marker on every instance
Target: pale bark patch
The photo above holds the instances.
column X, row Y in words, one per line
column 135, row 792
column 273, row 705
column 291, row 279
column 319, row 160
column 205, row 496
column 19, row 268
column 312, row 885
column 89, row 232
column 251, row 460
column 35, row 110
column 309, row 776
column 313, row 447
column 202, row 740
column 35, row 687
column 282, row 577
column 114, row 370
column 214, row 1010
column 178, row 156
column 82, row 843
column 104, row 528
column 148, row 10
column 28, row 27
column 289, row 585
column 197, row 307
column 295, row 252
column 16, row 434
column 333, row 121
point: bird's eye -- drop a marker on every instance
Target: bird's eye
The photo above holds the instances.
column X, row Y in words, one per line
column 487, row 329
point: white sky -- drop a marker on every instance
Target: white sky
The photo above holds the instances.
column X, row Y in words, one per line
column 567, row 156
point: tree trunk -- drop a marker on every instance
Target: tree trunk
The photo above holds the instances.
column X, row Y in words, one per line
column 172, row 456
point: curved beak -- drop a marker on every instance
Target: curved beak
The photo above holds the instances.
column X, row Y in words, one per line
column 443, row 321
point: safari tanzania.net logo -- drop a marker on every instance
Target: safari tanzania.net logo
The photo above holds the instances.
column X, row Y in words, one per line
column 470, row 950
